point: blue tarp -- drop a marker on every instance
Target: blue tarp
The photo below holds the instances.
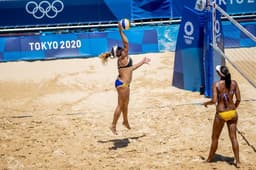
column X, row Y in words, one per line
column 20, row 13
column 145, row 9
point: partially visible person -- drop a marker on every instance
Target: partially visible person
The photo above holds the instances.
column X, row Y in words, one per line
column 223, row 92
column 125, row 68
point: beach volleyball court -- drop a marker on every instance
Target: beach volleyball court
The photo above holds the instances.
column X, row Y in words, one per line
column 56, row 115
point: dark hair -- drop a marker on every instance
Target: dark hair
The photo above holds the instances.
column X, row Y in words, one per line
column 227, row 76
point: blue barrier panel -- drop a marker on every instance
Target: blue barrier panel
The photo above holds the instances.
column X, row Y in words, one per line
column 178, row 6
column 55, row 12
column 167, row 37
column 150, row 9
column 238, row 6
column 189, row 51
column 230, row 6
column 88, row 44
column 142, row 39
column 234, row 38
column 63, row 12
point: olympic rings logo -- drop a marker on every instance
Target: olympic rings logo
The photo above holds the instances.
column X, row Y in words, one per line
column 44, row 8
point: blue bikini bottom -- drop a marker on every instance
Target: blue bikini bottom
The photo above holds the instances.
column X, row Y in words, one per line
column 119, row 83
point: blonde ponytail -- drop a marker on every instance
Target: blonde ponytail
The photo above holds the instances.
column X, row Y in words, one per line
column 104, row 57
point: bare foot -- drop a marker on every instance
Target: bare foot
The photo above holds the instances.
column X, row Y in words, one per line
column 126, row 124
column 208, row 160
column 238, row 164
column 113, row 129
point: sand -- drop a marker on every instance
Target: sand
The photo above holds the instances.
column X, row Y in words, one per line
column 56, row 115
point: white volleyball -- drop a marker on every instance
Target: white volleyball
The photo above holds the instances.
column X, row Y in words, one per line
column 125, row 23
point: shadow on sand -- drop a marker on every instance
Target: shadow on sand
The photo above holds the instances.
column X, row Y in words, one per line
column 120, row 143
column 221, row 158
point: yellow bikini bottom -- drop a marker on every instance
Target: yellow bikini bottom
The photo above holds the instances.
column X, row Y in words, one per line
column 228, row 115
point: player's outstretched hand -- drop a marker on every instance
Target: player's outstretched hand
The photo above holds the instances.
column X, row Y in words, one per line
column 146, row 60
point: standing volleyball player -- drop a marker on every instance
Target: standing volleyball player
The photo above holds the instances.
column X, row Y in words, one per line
column 223, row 92
column 125, row 68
